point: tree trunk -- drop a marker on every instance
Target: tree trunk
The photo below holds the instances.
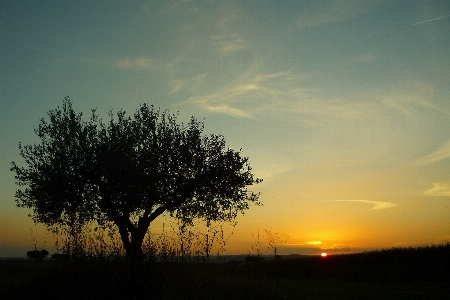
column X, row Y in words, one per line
column 124, row 237
column 132, row 239
column 133, row 248
column 135, row 251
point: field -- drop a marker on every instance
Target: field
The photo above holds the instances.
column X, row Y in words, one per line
column 398, row 273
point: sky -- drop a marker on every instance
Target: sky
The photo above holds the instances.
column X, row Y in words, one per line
column 342, row 106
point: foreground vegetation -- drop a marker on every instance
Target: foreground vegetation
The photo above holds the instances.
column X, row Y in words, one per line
column 397, row 273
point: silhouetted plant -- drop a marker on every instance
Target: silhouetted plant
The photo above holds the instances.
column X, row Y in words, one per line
column 37, row 254
column 256, row 246
column 128, row 172
column 275, row 240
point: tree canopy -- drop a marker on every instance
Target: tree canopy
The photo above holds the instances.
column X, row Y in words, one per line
column 129, row 171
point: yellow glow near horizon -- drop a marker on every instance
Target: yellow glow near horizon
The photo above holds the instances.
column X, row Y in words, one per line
column 314, row 242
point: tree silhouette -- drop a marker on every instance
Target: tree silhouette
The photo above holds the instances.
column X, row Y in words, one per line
column 37, row 254
column 129, row 171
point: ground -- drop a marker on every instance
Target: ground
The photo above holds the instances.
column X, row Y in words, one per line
column 390, row 274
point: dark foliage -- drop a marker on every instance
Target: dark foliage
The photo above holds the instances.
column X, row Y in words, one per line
column 37, row 254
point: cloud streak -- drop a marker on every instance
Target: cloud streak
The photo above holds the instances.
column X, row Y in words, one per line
column 377, row 205
column 410, row 98
column 247, row 95
column 134, row 63
column 336, row 11
column 439, row 189
column 428, row 21
column 439, row 154
column 230, row 43
column 443, row 238
column 283, row 93
column 227, row 110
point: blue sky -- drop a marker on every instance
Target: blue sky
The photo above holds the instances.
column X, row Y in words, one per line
column 342, row 106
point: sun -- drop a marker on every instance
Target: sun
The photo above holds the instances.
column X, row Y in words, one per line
column 323, row 254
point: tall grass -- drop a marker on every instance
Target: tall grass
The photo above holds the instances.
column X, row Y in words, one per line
column 176, row 242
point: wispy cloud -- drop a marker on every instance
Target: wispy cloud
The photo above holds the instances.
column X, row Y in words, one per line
column 411, row 97
column 289, row 94
column 273, row 168
column 288, row 249
column 316, row 247
column 303, row 243
column 227, row 110
column 443, row 238
column 377, row 205
column 313, row 242
column 335, row 11
column 230, row 43
column 193, row 85
column 257, row 93
column 246, row 95
column 439, row 189
column 439, row 154
column 134, row 63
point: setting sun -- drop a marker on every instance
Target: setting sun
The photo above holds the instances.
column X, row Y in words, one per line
column 323, row 254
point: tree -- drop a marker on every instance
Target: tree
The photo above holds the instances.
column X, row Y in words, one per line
column 37, row 254
column 129, row 171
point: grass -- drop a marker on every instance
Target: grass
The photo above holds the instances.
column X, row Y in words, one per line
column 346, row 289
column 14, row 276
column 397, row 273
